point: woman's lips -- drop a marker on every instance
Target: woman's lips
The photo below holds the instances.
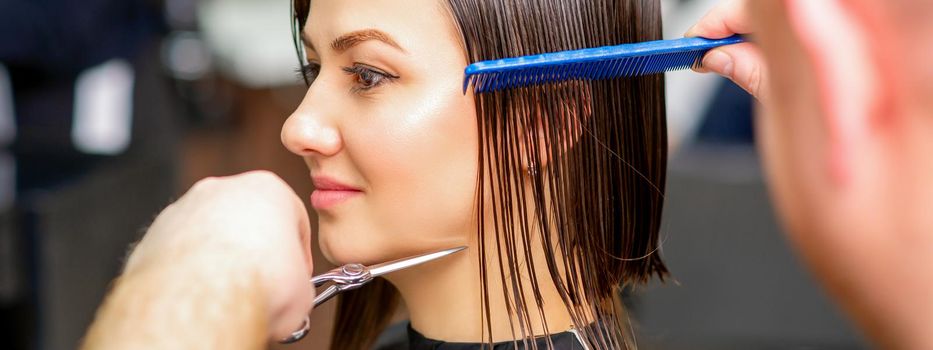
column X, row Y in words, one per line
column 329, row 192
column 323, row 199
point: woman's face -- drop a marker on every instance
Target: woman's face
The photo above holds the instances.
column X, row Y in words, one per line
column 388, row 135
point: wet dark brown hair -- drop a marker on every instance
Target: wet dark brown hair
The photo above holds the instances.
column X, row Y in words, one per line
column 579, row 165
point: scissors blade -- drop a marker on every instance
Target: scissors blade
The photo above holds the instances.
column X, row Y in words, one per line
column 392, row 266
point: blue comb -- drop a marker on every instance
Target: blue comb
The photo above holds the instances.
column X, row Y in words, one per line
column 626, row 60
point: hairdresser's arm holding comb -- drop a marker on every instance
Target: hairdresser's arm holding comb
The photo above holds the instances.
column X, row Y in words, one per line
column 225, row 267
column 846, row 134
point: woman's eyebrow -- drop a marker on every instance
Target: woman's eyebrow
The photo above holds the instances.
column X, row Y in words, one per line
column 351, row 39
column 346, row 41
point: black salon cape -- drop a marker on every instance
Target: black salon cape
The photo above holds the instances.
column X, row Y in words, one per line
column 402, row 337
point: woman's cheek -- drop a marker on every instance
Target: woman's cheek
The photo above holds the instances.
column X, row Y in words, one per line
column 421, row 164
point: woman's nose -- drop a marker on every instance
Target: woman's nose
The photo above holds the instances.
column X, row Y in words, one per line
column 309, row 131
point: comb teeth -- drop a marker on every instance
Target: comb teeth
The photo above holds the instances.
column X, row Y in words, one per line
column 629, row 60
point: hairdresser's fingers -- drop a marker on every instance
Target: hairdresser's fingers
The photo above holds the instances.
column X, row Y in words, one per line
column 300, row 291
column 292, row 295
column 286, row 265
column 252, row 222
column 743, row 64
column 728, row 18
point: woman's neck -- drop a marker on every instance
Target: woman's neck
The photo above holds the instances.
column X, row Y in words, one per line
column 444, row 300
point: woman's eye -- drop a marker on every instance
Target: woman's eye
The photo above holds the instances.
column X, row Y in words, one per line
column 367, row 77
column 308, row 72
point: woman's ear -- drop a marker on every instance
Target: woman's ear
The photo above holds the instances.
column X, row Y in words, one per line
column 560, row 117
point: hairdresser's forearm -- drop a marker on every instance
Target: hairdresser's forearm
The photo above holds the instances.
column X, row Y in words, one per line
column 182, row 303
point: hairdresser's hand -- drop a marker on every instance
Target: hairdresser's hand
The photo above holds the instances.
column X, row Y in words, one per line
column 231, row 227
column 742, row 63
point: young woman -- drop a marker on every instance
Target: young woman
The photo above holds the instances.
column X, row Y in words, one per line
column 556, row 190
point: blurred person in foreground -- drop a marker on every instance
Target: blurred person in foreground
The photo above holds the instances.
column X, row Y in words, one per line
column 844, row 128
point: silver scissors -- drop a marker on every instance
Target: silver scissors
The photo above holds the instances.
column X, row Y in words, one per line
column 353, row 276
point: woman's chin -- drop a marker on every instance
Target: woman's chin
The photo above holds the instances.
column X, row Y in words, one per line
column 337, row 254
column 341, row 250
column 351, row 245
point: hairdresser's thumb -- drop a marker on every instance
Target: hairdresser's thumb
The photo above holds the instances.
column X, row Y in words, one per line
column 741, row 63
column 719, row 62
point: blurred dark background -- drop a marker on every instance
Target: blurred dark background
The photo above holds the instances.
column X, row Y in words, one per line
column 109, row 109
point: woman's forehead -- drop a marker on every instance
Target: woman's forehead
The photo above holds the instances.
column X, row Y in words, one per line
column 410, row 25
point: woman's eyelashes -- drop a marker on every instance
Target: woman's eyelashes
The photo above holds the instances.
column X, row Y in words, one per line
column 367, row 77
column 308, row 72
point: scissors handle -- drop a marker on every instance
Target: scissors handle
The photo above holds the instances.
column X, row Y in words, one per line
column 346, row 277
column 328, row 293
